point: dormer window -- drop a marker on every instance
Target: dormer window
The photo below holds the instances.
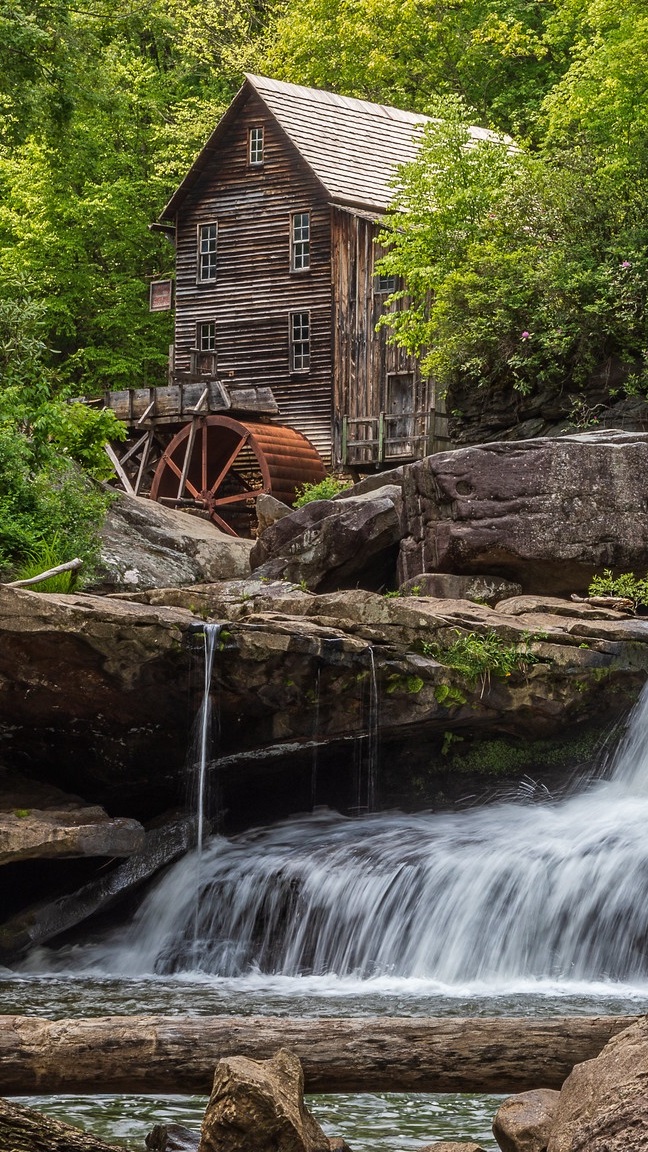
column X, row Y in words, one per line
column 255, row 146
column 207, row 243
column 300, row 242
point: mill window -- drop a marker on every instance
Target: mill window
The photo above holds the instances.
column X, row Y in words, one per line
column 255, row 146
column 299, row 341
column 385, row 283
column 207, row 243
column 207, row 336
column 300, row 242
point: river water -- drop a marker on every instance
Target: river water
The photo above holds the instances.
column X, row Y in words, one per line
column 514, row 908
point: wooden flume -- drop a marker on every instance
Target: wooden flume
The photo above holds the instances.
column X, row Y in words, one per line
column 161, row 1054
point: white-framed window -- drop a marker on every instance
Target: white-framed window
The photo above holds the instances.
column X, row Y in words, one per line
column 385, row 283
column 300, row 241
column 255, row 146
column 206, row 336
column 207, row 245
column 299, row 341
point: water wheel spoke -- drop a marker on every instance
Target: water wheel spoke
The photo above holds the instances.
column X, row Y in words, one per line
column 204, row 458
column 237, row 498
column 228, row 465
column 222, row 524
column 174, row 468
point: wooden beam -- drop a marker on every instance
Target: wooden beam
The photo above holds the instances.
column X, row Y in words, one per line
column 114, row 460
column 160, row 1054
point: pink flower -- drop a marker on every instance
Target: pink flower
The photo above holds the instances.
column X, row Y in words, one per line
column 525, row 336
column 626, row 264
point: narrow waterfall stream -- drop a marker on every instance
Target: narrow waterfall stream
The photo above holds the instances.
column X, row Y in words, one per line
column 514, row 908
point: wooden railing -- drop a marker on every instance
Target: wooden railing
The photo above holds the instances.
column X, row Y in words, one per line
column 392, row 437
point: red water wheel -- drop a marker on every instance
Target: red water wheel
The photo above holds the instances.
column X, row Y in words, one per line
column 222, row 465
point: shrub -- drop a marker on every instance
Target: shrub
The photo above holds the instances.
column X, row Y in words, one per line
column 627, row 586
column 327, row 488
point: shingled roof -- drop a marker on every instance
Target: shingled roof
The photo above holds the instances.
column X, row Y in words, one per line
column 353, row 147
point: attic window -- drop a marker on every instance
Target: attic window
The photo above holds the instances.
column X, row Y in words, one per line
column 255, row 146
column 300, row 242
column 207, row 244
column 299, row 341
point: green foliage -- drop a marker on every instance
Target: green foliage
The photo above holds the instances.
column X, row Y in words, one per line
column 478, row 657
column 326, row 489
column 627, row 585
column 522, row 271
column 48, row 554
column 51, row 455
column 502, row 56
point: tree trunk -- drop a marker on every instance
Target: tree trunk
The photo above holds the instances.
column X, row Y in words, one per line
column 23, row 1130
column 161, row 1054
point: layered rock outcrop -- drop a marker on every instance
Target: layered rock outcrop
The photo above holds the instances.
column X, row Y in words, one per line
column 547, row 513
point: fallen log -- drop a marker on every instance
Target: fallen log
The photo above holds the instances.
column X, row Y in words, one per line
column 23, row 1130
column 162, row 1054
column 71, row 566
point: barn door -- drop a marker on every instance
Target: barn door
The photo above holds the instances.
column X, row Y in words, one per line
column 399, row 414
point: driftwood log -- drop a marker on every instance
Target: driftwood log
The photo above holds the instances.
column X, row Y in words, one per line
column 70, row 566
column 161, row 1054
column 23, row 1130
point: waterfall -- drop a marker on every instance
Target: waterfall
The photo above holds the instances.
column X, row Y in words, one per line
column 203, row 733
column 498, row 894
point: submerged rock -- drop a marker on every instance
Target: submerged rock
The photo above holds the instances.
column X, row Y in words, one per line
column 172, row 1138
column 259, row 1104
column 603, row 1105
column 523, row 1123
column 452, row 1146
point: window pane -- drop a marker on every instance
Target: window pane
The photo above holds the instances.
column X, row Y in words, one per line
column 299, row 341
column 386, row 284
column 207, row 243
column 300, row 241
column 207, row 336
column 256, row 146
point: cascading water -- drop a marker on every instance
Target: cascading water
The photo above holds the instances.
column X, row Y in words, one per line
column 202, row 741
column 201, row 757
column 494, row 894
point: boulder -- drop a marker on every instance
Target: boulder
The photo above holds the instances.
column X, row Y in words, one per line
column 259, row 1104
column 333, row 543
column 547, row 513
column 603, row 1105
column 31, row 834
column 269, row 510
column 444, row 586
column 523, row 1122
column 147, row 545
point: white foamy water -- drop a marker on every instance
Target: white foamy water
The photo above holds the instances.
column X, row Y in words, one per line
column 501, row 897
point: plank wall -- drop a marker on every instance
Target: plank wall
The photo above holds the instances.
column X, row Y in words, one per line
column 362, row 357
column 255, row 291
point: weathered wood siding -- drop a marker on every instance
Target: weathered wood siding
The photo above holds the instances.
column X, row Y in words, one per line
column 362, row 357
column 255, row 291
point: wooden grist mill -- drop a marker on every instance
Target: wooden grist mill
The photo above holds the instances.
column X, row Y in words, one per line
column 280, row 366
column 205, row 448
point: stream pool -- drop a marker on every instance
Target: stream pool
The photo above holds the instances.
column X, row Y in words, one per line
column 385, row 1122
